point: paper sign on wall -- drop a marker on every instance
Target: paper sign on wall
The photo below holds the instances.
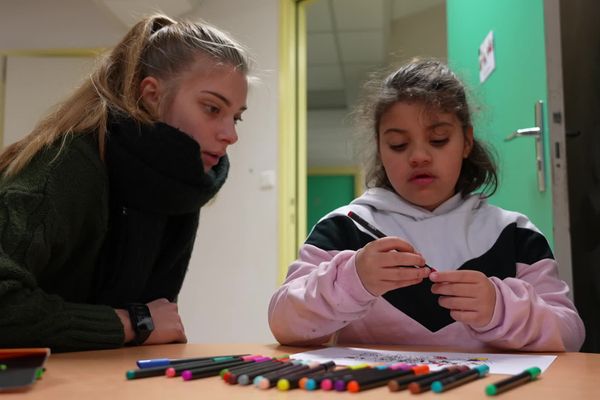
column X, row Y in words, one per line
column 487, row 60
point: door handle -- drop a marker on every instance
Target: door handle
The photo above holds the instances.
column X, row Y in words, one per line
column 538, row 133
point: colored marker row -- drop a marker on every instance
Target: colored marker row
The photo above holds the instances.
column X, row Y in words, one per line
column 285, row 374
column 190, row 369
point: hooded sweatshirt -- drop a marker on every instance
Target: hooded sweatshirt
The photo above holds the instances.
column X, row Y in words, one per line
column 323, row 295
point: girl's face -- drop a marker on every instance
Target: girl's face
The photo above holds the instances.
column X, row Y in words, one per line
column 206, row 105
column 422, row 152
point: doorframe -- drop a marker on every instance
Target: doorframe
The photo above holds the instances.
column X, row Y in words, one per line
column 557, row 141
column 292, row 133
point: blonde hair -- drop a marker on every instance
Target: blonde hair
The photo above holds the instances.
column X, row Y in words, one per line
column 156, row 46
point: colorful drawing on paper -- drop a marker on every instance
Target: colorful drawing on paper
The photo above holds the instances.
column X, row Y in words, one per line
column 498, row 363
column 437, row 360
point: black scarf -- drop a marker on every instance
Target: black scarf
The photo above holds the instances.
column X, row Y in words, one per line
column 158, row 168
column 157, row 187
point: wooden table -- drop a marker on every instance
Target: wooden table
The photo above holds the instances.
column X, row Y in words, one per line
column 101, row 375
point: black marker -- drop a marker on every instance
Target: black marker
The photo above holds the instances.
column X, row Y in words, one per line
column 375, row 232
column 528, row 375
column 459, row 379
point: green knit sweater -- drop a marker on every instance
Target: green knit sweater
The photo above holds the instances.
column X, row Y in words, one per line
column 61, row 274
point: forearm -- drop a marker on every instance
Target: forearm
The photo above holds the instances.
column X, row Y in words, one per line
column 32, row 318
column 534, row 313
column 321, row 295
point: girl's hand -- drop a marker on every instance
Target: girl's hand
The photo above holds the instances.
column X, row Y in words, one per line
column 388, row 263
column 469, row 295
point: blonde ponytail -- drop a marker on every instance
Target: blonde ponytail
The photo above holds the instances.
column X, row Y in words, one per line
column 156, row 46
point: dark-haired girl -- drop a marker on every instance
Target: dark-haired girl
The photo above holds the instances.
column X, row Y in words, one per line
column 493, row 280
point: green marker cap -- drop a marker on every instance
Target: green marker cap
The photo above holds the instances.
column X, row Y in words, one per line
column 534, row 372
column 130, row 374
column 490, row 390
column 222, row 358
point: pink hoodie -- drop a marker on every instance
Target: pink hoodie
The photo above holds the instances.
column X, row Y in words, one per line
column 323, row 296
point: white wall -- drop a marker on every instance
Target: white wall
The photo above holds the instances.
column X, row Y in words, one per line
column 422, row 34
column 233, row 270
column 331, row 138
column 35, row 85
column 234, row 266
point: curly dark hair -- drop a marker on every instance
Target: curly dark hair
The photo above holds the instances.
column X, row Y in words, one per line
column 433, row 84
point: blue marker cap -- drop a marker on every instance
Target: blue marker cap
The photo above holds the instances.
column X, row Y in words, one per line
column 482, row 369
column 155, row 362
column 310, row 384
column 437, row 387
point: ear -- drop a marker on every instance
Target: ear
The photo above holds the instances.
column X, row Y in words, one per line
column 468, row 146
column 150, row 93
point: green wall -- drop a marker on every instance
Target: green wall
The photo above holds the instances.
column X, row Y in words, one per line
column 505, row 101
column 326, row 193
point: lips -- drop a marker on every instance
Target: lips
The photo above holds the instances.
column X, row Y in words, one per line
column 422, row 178
column 211, row 159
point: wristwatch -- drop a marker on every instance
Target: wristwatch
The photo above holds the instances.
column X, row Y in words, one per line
column 141, row 321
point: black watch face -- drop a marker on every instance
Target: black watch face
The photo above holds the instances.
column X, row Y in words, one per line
column 141, row 319
column 146, row 323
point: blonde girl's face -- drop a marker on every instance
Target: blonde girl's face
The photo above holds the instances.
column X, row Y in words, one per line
column 207, row 105
column 422, row 152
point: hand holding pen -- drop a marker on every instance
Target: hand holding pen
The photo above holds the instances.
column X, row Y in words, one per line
column 377, row 263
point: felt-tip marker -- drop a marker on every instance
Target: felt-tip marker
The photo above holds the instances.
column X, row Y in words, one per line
column 376, row 232
column 459, row 379
column 528, row 375
column 161, row 362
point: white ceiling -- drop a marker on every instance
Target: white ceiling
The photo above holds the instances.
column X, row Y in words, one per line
column 130, row 11
column 60, row 24
column 346, row 39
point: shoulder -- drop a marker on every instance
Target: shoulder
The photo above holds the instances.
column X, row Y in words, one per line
column 68, row 173
column 530, row 243
column 336, row 231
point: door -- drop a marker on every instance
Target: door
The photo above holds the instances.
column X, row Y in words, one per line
column 526, row 46
column 328, row 189
column 580, row 35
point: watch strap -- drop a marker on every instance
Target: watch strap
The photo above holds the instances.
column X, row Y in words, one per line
column 141, row 321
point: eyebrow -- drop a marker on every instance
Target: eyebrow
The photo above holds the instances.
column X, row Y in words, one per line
column 430, row 127
column 223, row 98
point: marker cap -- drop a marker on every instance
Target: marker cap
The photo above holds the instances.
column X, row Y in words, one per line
column 283, row 384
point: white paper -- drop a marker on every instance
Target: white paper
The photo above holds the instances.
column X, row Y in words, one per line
column 487, row 58
column 498, row 363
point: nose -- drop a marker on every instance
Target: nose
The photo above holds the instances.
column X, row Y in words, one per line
column 419, row 155
column 228, row 134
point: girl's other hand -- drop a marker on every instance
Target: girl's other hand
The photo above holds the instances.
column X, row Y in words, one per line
column 387, row 264
column 469, row 295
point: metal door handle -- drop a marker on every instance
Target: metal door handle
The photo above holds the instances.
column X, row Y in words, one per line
column 538, row 133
